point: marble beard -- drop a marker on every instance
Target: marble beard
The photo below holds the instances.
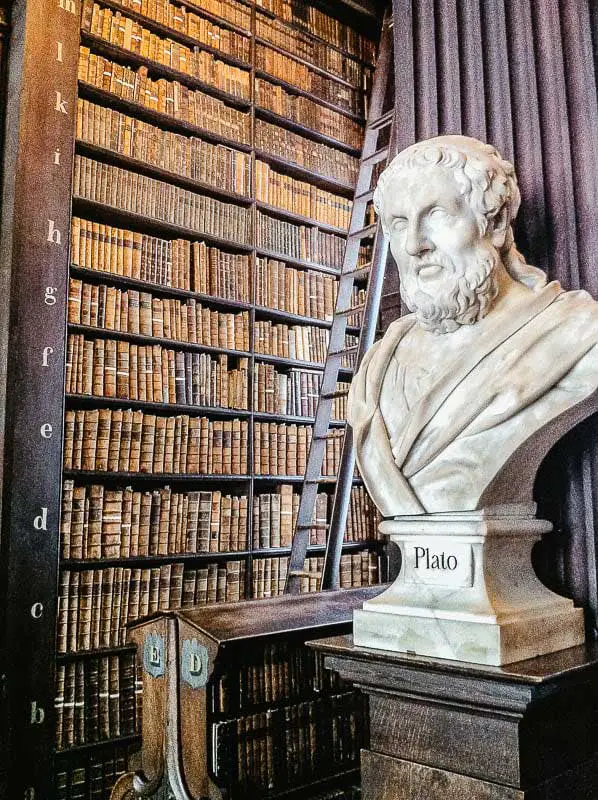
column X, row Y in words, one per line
column 456, row 406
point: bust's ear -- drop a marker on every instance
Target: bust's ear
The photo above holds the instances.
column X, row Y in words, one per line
column 498, row 226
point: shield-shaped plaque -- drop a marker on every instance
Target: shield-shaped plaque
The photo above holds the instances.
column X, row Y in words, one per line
column 194, row 663
column 153, row 655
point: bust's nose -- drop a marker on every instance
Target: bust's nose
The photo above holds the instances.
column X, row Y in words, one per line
column 416, row 242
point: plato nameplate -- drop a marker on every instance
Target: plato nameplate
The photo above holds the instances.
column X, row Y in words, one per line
column 438, row 561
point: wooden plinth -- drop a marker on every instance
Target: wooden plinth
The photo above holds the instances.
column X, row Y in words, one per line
column 448, row 730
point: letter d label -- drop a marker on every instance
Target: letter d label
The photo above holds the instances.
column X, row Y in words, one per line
column 40, row 523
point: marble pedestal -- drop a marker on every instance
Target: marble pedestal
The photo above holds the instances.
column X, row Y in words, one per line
column 467, row 591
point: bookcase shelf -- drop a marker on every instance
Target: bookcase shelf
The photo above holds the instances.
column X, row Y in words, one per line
column 300, row 29
column 286, row 316
column 75, row 655
column 146, row 168
column 154, row 117
column 217, row 20
column 282, row 213
column 121, row 741
column 138, row 338
column 313, row 67
column 154, row 478
column 282, row 122
column 111, row 215
column 296, row 90
column 111, row 278
column 94, row 401
column 302, row 173
column 297, row 262
column 200, row 259
column 119, row 54
column 155, row 560
column 293, row 362
column 180, row 36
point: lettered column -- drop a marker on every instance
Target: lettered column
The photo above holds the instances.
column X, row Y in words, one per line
column 35, row 229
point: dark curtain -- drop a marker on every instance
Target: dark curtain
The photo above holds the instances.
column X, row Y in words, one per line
column 521, row 74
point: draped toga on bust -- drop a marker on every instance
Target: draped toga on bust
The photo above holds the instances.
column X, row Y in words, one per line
column 435, row 442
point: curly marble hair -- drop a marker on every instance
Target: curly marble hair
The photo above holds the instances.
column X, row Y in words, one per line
column 487, row 180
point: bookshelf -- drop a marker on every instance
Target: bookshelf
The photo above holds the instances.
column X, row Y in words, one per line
column 214, row 149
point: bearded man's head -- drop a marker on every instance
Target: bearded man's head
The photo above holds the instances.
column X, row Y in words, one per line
column 447, row 205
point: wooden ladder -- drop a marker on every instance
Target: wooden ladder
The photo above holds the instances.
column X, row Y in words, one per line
column 379, row 126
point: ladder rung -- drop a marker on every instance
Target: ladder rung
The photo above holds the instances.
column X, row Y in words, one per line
column 322, row 479
column 301, row 573
column 382, row 121
column 334, row 395
column 345, row 352
column 335, row 433
column 364, row 197
column 375, row 158
column 346, row 312
column 369, row 230
column 314, row 526
column 358, row 272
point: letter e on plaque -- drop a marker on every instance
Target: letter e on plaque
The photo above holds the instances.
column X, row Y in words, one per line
column 438, row 561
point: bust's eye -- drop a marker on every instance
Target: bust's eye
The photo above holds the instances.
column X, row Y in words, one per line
column 398, row 224
column 438, row 213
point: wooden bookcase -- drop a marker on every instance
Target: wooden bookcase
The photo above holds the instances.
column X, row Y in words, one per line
column 91, row 574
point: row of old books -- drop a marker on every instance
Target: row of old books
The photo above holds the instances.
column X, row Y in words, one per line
column 312, row 50
column 280, row 670
column 316, row 157
column 170, row 98
column 193, row 266
column 116, row 523
column 269, row 574
column 281, row 449
column 119, row 523
column 356, row 569
column 301, row 342
column 307, row 293
column 282, row 747
column 295, row 392
column 135, row 312
column 214, row 164
column 307, row 113
column 299, row 242
column 177, row 17
column 322, row 25
column 105, row 248
column 95, row 605
column 130, row 36
column 300, row 75
column 300, row 197
column 158, row 200
column 93, row 779
column 275, row 515
column 162, row 11
column 95, row 700
column 114, row 440
column 107, row 368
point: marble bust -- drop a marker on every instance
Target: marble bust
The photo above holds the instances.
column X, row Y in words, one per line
column 459, row 402
column 455, row 407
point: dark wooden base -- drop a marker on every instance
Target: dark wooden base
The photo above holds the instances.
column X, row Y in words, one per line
column 447, row 730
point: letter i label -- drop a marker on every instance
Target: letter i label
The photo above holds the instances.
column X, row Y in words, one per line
column 59, row 51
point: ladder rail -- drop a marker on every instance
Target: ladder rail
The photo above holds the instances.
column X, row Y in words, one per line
column 359, row 229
